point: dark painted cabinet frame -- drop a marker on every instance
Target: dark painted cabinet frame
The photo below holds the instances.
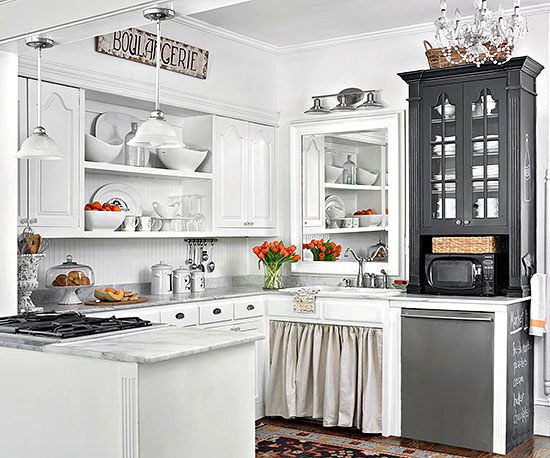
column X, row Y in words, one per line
column 516, row 81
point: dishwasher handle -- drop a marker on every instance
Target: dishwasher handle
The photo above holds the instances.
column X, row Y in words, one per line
column 449, row 317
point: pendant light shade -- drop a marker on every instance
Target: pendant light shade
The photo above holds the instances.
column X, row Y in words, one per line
column 39, row 145
column 156, row 132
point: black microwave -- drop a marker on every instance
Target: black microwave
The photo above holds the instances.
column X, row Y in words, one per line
column 461, row 274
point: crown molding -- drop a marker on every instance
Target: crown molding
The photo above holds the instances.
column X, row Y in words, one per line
column 126, row 87
column 197, row 24
column 426, row 27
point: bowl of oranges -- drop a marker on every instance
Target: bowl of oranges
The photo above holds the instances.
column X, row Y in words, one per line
column 368, row 218
column 103, row 217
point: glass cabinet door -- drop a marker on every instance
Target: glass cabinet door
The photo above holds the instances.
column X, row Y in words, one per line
column 442, row 144
column 484, row 162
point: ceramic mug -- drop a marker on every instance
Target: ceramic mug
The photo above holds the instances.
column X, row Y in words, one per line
column 129, row 224
column 148, row 224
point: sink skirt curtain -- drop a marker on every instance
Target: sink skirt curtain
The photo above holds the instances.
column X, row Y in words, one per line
column 327, row 372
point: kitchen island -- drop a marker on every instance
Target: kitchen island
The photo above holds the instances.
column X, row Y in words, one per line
column 159, row 392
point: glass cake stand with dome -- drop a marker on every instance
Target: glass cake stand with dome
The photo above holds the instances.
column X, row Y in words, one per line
column 69, row 277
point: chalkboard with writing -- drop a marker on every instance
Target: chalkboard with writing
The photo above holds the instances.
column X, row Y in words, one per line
column 519, row 398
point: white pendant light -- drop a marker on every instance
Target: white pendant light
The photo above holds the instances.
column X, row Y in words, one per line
column 39, row 145
column 156, row 132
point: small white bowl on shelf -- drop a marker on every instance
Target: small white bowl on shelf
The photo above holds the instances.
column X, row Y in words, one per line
column 97, row 150
column 365, row 177
column 182, row 159
column 370, row 220
column 103, row 221
column 332, row 173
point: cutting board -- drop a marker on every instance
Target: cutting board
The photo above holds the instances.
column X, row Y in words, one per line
column 141, row 300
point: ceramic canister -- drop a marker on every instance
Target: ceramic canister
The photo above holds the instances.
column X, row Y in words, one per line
column 181, row 281
column 198, row 281
column 161, row 278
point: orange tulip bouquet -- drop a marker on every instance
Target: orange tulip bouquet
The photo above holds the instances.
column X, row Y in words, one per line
column 273, row 255
column 324, row 251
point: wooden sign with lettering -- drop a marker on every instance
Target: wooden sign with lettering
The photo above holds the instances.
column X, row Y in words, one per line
column 140, row 46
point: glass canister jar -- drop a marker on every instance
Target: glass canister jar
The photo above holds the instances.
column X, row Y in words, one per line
column 70, row 276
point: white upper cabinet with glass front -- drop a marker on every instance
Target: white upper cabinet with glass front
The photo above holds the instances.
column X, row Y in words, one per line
column 348, row 187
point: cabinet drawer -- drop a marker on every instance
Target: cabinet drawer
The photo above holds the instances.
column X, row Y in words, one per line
column 283, row 307
column 181, row 316
column 362, row 311
column 214, row 312
column 249, row 307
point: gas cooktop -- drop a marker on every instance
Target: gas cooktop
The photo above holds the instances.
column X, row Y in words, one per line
column 64, row 325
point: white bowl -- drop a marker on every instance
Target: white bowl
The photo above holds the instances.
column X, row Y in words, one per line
column 183, row 159
column 364, row 177
column 103, row 221
column 165, row 211
column 97, row 150
column 370, row 220
column 332, row 173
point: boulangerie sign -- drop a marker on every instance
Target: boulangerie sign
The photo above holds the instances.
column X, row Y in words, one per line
column 140, row 46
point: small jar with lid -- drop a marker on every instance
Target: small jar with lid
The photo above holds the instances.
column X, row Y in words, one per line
column 181, row 281
column 70, row 276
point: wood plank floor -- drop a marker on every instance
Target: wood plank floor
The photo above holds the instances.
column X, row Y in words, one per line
column 533, row 448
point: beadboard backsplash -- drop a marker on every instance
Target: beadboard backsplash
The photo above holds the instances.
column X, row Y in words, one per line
column 129, row 261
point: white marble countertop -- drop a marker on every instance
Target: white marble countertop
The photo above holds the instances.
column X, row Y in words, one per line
column 143, row 346
column 154, row 345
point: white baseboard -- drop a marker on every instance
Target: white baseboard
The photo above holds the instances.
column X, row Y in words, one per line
column 542, row 420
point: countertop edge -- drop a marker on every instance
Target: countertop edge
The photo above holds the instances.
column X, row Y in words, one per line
column 67, row 349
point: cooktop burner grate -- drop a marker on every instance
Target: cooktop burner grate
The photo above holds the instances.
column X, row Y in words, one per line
column 66, row 324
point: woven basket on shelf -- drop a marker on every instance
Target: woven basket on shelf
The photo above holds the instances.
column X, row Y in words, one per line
column 464, row 245
column 437, row 59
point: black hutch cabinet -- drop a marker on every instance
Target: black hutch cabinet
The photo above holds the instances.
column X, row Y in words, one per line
column 472, row 162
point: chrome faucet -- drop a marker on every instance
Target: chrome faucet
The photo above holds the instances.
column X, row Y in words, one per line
column 361, row 261
column 385, row 276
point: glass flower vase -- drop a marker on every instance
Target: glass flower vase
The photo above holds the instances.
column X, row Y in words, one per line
column 272, row 276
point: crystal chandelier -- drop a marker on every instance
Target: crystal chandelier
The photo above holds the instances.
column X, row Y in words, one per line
column 491, row 36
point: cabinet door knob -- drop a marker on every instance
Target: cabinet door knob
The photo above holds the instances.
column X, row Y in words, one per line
column 249, row 307
column 466, row 222
column 180, row 316
column 216, row 311
column 458, row 222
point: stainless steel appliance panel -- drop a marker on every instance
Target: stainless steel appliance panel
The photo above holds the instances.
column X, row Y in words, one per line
column 447, row 377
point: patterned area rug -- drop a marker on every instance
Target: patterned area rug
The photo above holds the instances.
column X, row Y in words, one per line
column 278, row 442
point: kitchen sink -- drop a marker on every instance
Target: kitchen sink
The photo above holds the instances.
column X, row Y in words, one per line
column 346, row 291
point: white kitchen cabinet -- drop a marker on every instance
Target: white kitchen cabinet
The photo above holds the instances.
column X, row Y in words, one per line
column 53, row 186
column 255, row 326
column 261, row 175
column 230, row 173
column 313, row 173
column 244, row 174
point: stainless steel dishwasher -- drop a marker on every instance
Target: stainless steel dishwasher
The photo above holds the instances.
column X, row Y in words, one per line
column 447, row 377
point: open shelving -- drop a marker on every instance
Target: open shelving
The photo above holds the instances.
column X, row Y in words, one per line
column 143, row 172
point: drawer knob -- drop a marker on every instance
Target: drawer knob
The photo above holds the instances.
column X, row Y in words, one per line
column 217, row 311
column 180, row 316
column 249, row 307
column 236, row 328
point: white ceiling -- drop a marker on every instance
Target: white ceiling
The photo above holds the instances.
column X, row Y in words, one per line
column 291, row 22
